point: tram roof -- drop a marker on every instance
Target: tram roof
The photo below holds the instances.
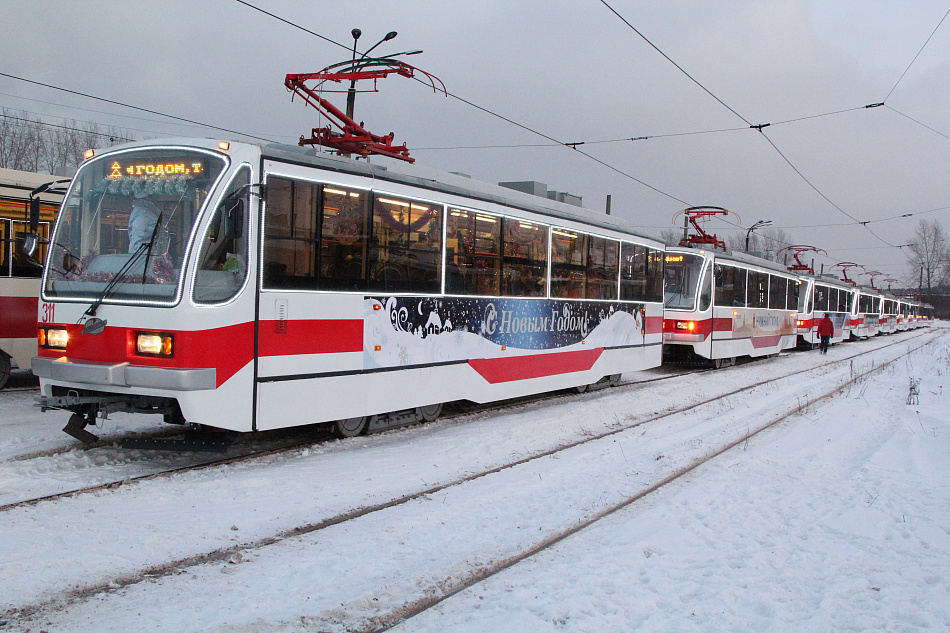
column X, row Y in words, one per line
column 452, row 184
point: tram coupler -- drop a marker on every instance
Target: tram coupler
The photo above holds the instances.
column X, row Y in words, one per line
column 76, row 427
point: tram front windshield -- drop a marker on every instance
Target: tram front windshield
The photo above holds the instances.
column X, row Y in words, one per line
column 124, row 229
column 682, row 275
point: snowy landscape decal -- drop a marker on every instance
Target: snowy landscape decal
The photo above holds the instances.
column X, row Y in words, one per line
column 403, row 331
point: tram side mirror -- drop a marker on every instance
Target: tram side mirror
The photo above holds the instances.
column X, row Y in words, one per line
column 31, row 241
column 34, row 214
column 234, row 219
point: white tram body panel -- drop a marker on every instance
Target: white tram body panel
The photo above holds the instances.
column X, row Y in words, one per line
column 274, row 287
column 821, row 295
column 869, row 303
column 721, row 306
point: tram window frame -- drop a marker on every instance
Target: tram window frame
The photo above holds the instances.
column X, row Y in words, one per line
column 757, row 296
column 794, row 289
column 314, row 238
column 220, row 273
column 822, row 298
column 778, row 292
column 6, row 265
column 411, row 258
column 844, row 301
column 568, row 263
column 730, row 286
column 523, row 273
column 603, row 260
column 639, row 277
column 472, row 254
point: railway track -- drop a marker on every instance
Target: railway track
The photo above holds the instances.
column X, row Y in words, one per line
column 248, row 448
column 391, row 615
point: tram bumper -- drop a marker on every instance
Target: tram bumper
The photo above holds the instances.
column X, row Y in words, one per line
column 124, row 374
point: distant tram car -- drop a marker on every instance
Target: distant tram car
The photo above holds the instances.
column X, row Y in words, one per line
column 869, row 305
column 825, row 295
column 19, row 274
column 721, row 306
column 252, row 288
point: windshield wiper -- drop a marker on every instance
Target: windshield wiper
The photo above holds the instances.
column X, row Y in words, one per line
column 148, row 253
column 109, row 290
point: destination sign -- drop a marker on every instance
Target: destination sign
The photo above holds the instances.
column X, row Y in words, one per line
column 160, row 169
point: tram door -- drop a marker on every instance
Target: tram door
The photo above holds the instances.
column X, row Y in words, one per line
column 705, row 306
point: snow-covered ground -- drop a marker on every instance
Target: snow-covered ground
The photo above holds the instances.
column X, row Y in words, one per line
column 836, row 519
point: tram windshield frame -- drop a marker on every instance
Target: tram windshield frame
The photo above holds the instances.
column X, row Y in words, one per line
column 126, row 227
column 683, row 276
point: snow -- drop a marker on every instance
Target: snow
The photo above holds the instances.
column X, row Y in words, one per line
column 837, row 518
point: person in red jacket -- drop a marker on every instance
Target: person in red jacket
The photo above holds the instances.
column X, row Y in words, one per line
column 826, row 330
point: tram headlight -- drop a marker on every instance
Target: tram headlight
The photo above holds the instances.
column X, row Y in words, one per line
column 153, row 344
column 52, row 337
column 685, row 326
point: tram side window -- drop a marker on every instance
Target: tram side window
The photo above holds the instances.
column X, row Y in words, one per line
column 778, row 289
column 315, row 237
column 524, row 265
column 822, row 298
column 792, row 298
column 655, row 271
column 758, row 291
column 833, row 299
column 222, row 260
column 407, row 246
column 602, row 262
column 864, row 304
column 635, row 273
column 291, row 236
column 473, row 253
column 727, row 293
column 568, row 264
column 844, row 301
column 344, row 230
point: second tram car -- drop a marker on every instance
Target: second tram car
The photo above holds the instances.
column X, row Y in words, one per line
column 251, row 287
column 869, row 305
column 719, row 306
column 823, row 294
column 20, row 275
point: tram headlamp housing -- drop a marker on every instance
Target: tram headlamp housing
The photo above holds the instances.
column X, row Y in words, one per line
column 154, row 344
column 685, row 326
column 52, row 338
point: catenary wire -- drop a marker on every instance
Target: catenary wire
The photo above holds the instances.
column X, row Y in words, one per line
column 916, row 56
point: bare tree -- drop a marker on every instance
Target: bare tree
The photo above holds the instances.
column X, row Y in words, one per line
column 929, row 254
column 765, row 243
column 29, row 144
column 670, row 237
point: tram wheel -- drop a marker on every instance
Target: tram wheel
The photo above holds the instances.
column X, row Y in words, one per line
column 581, row 388
column 5, row 369
column 350, row 427
column 431, row 412
column 613, row 380
column 719, row 363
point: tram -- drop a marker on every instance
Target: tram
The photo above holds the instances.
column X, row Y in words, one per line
column 869, row 303
column 250, row 287
column 19, row 274
column 719, row 306
column 824, row 294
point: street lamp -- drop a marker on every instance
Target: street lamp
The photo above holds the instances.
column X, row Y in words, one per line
column 755, row 226
column 351, row 94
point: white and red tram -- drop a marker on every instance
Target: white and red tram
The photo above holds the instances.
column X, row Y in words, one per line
column 719, row 306
column 19, row 274
column 820, row 295
column 251, row 288
column 869, row 303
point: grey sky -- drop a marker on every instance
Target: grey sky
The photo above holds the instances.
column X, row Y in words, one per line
column 571, row 70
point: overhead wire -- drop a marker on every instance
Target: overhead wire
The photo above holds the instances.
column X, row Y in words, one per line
column 485, row 110
column 901, row 78
column 760, row 127
column 64, row 127
column 134, row 107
